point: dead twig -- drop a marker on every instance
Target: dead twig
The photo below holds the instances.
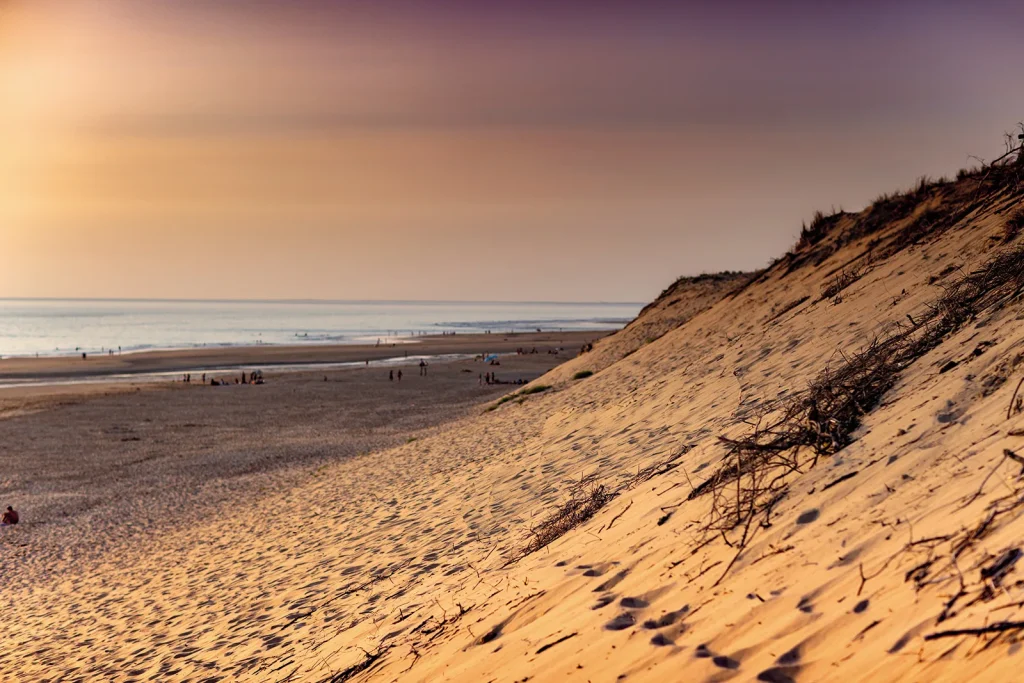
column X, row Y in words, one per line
column 998, row 627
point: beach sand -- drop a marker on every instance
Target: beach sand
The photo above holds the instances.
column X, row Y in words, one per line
column 884, row 558
column 96, row 464
column 207, row 358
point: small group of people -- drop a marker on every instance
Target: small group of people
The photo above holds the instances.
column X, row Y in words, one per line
column 392, row 375
column 254, row 377
column 491, row 378
column 9, row 517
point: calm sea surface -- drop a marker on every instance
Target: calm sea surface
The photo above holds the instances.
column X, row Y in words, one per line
column 58, row 327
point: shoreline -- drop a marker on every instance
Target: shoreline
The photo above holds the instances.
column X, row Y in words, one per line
column 22, row 371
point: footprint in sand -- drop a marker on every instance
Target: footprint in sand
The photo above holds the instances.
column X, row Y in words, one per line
column 490, row 635
column 808, row 516
column 805, row 605
column 789, row 658
column 724, row 662
column 861, row 606
column 634, row 603
column 661, row 640
column 779, row 674
column 621, row 622
column 612, row 582
column 666, row 619
column 604, row 601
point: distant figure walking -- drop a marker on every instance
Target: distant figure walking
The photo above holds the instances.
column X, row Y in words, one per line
column 391, row 375
column 10, row 516
column 423, row 367
column 399, row 375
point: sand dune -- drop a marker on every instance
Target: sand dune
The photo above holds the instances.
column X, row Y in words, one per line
column 881, row 553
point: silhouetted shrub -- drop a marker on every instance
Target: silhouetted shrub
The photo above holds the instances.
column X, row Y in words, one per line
column 1013, row 226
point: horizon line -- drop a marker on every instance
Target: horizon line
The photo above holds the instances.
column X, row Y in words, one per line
column 316, row 301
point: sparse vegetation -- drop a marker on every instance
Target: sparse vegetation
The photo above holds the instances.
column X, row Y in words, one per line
column 839, row 282
column 790, row 439
column 1013, row 226
column 583, row 374
column 586, row 497
column 819, row 228
column 519, row 396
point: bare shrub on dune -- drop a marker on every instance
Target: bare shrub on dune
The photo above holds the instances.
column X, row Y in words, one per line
column 586, row 497
column 789, row 440
column 839, row 282
column 1013, row 226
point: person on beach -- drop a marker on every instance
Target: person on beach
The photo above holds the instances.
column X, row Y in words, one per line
column 391, row 375
column 423, row 367
column 399, row 375
column 10, row 516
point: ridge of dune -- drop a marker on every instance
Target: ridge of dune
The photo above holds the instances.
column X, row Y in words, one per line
column 683, row 299
column 887, row 548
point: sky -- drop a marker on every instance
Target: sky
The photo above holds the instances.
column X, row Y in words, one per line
column 468, row 149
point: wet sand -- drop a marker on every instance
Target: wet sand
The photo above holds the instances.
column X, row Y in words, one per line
column 207, row 358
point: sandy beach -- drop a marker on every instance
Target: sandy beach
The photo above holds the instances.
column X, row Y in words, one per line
column 213, row 358
column 96, row 464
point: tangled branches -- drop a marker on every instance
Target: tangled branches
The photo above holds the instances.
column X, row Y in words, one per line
column 586, row 497
column 788, row 441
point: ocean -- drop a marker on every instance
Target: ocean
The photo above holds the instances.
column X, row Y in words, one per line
column 68, row 326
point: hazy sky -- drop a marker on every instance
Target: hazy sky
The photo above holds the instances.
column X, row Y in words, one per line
column 468, row 149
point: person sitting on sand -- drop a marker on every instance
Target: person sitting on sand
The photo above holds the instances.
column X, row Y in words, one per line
column 10, row 516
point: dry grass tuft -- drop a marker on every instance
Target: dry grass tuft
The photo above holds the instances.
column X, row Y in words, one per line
column 1013, row 226
column 839, row 282
column 586, row 497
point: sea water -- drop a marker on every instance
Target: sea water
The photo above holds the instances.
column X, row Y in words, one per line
column 69, row 326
